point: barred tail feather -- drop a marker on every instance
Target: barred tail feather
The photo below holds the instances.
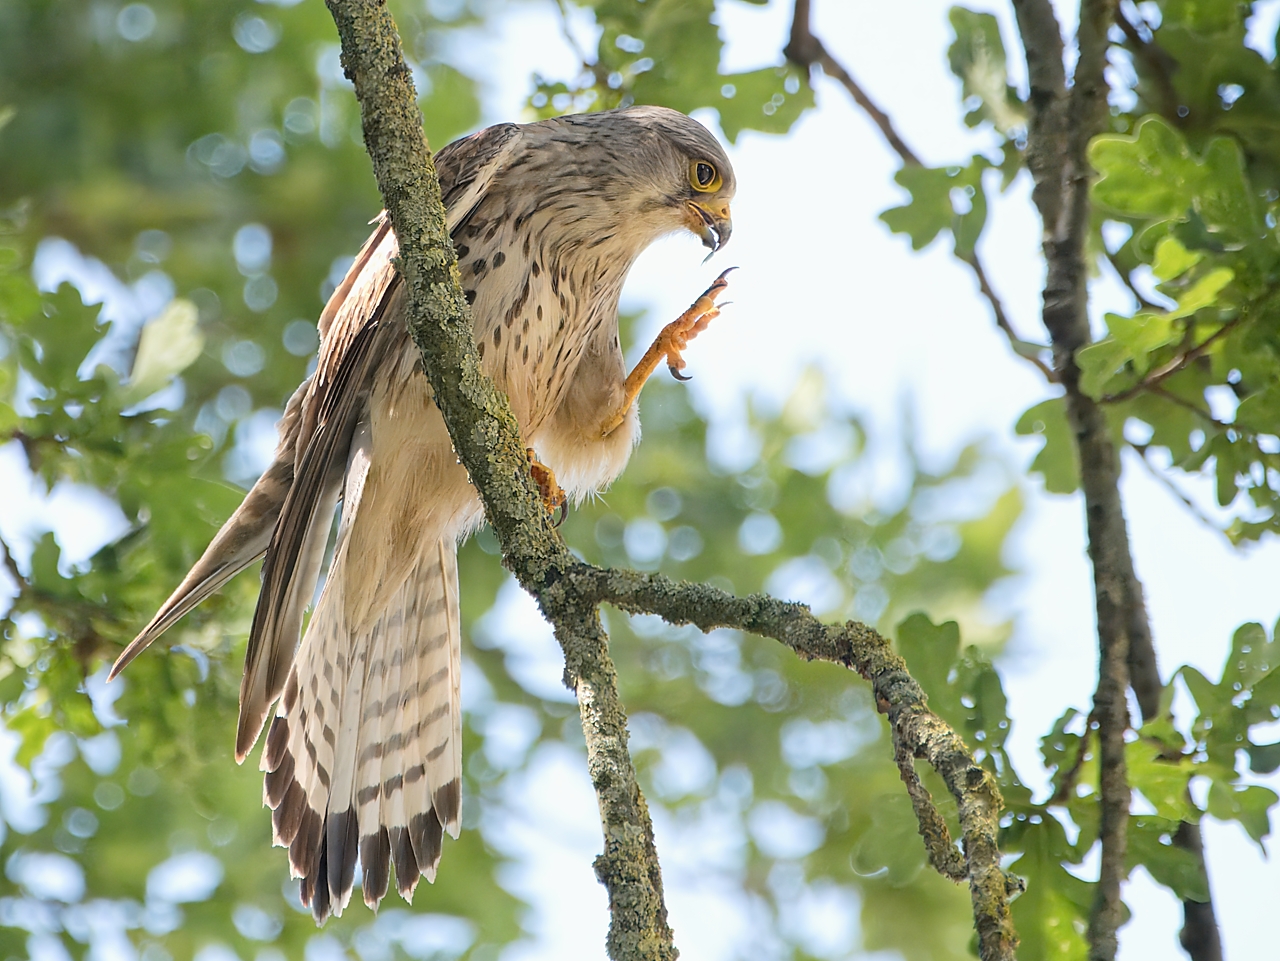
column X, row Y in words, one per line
column 364, row 759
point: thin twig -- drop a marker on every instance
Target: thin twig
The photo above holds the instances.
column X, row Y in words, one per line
column 1200, row 412
column 11, row 565
column 30, row 447
column 804, row 49
column 597, row 71
column 1160, row 65
column 942, row 852
column 1002, row 319
column 1143, row 451
column 1179, row 361
column 1063, row 793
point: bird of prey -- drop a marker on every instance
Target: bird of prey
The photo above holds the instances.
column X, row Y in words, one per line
column 363, row 756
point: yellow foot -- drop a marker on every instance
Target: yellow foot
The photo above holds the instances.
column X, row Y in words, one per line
column 553, row 496
column 675, row 337
column 670, row 343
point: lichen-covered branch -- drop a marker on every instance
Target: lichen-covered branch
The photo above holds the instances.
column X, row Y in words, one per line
column 916, row 729
column 943, row 856
column 487, row 438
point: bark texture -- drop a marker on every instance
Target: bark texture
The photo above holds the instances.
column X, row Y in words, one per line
column 1063, row 120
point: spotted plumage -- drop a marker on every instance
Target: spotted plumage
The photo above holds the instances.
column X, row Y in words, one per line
column 363, row 755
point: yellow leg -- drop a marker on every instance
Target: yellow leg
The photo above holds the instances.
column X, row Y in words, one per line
column 669, row 343
column 553, row 496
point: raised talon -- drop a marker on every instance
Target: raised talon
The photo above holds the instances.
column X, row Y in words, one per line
column 670, row 343
column 553, row 496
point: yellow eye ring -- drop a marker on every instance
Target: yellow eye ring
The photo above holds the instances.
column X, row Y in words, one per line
column 704, row 177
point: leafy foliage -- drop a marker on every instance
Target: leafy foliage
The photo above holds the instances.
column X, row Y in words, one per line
column 668, row 52
column 1188, row 180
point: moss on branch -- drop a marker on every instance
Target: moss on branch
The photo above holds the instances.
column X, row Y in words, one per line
column 487, row 440
column 917, row 731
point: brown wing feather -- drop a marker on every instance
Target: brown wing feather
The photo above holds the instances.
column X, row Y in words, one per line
column 350, row 355
column 301, row 534
column 289, row 510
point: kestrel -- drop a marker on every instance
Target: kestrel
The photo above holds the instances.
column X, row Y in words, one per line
column 364, row 755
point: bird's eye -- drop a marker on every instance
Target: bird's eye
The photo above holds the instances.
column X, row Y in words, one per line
column 704, row 177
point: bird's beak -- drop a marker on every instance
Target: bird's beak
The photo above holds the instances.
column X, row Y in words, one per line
column 711, row 223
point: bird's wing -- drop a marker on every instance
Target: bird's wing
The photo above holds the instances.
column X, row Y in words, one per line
column 240, row 541
column 466, row 168
column 301, row 534
column 359, row 333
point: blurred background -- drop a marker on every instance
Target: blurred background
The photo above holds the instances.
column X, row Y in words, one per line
column 182, row 183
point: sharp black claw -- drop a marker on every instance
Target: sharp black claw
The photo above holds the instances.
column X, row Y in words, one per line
column 563, row 511
column 676, row 373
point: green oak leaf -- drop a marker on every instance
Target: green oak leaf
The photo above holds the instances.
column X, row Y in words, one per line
column 1058, row 461
column 977, row 57
column 1249, row 804
column 1151, row 845
column 1172, row 259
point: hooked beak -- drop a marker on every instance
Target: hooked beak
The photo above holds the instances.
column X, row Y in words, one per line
column 711, row 224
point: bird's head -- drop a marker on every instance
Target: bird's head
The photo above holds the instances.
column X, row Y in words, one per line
column 668, row 172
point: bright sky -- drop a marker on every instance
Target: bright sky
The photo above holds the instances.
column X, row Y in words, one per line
column 823, row 282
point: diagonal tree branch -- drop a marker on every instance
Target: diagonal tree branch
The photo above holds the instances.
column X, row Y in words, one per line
column 11, row 565
column 805, row 50
column 1156, row 377
column 1123, row 276
column 943, row 856
column 486, row 438
column 1159, row 65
